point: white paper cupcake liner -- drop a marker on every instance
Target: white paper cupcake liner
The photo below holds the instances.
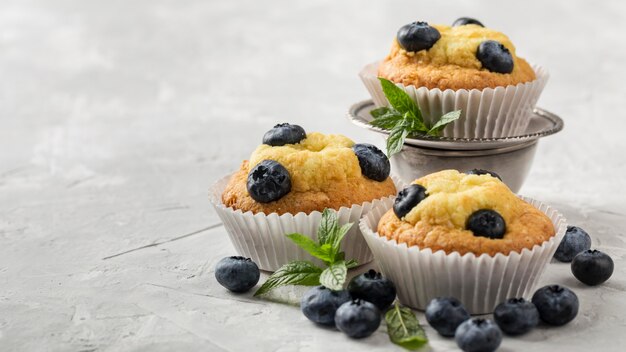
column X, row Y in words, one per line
column 487, row 113
column 261, row 237
column 480, row 282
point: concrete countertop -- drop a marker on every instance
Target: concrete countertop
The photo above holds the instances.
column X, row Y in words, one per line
column 117, row 116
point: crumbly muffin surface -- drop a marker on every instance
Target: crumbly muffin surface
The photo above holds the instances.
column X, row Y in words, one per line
column 451, row 63
column 324, row 172
column 438, row 222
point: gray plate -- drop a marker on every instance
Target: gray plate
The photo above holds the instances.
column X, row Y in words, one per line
column 542, row 123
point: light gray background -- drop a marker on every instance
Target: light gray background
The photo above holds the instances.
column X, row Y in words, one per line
column 116, row 117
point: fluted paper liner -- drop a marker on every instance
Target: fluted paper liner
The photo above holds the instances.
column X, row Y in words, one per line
column 480, row 282
column 261, row 237
column 487, row 113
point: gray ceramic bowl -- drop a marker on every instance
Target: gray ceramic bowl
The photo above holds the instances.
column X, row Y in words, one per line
column 510, row 157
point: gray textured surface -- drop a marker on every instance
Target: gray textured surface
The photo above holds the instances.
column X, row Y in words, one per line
column 116, row 116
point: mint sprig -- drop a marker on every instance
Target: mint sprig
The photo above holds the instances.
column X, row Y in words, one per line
column 327, row 248
column 404, row 117
column 404, row 329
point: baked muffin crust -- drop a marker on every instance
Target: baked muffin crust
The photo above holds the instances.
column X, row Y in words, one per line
column 438, row 222
column 451, row 63
column 324, row 172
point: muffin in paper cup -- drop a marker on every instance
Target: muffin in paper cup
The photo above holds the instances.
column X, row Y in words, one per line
column 480, row 282
column 261, row 236
column 487, row 113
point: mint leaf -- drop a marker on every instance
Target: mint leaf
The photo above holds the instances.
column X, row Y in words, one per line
column 396, row 138
column 334, row 276
column 444, row 121
column 398, row 98
column 313, row 248
column 388, row 121
column 328, row 226
column 404, row 329
column 352, row 264
column 340, row 233
column 294, row 273
column 378, row 112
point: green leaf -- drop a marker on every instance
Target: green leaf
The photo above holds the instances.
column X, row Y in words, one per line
column 334, row 276
column 444, row 121
column 404, row 329
column 398, row 98
column 388, row 121
column 313, row 248
column 378, row 112
column 340, row 233
column 328, row 226
column 352, row 264
column 396, row 138
column 294, row 273
column 412, row 124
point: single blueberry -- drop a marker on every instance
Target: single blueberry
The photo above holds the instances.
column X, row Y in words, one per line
column 516, row 316
column 268, row 181
column 495, row 57
column 592, row 267
column 478, row 335
column 483, row 172
column 408, row 199
column 417, row 36
column 319, row 304
column 557, row 305
column 575, row 241
column 445, row 314
column 374, row 288
column 284, row 133
column 237, row 274
column 486, row 223
column 357, row 318
column 466, row 20
column 373, row 162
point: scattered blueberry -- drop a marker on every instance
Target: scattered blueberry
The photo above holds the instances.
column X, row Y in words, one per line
column 495, row 57
column 575, row 241
column 407, row 199
column 478, row 335
column 486, row 223
column 557, row 305
column 516, row 316
column 319, row 304
column 373, row 162
column 284, row 133
column 592, row 267
column 237, row 274
column 417, row 36
column 483, row 172
column 445, row 314
column 268, row 181
column 357, row 318
column 466, row 20
column 374, row 288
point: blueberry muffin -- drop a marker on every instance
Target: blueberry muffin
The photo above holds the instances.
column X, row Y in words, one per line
column 464, row 213
column 294, row 172
column 465, row 55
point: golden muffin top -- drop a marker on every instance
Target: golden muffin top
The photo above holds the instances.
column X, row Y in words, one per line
column 453, row 196
column 290, row 161
column 315, row 162
column 458, row 46
column 463, row 56
column 464, row 213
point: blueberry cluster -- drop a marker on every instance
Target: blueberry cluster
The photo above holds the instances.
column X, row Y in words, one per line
column 269, row 180
column 419, row 35
column 555, row 305
column 355, row 311
column 590, row 266
column 483, row 222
